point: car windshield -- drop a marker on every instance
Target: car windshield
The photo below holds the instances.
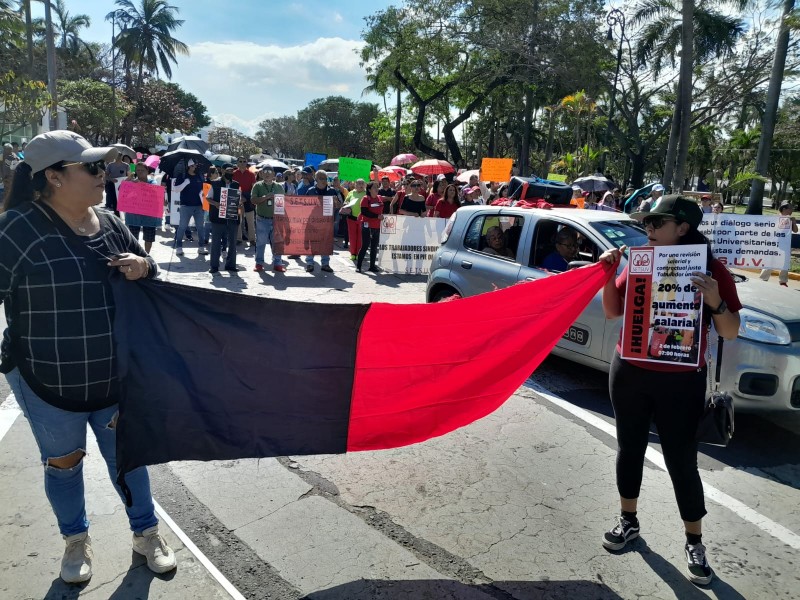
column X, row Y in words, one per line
column 621, row 233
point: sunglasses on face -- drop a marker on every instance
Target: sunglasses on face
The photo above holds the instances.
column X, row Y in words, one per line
column 657, row 222
column 93, row 168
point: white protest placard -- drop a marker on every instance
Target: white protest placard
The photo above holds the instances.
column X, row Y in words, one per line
column 663, row 314
column 174, row 205
column 749, row 241
column 407, row 244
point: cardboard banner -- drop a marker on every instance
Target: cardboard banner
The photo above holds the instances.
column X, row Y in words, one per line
column 303, row 225
column 663, row 309
column 314, row 159
column 496, row 169
column 174, row 205
column 141, row 199
column 204, row 194
column 407, row 244
column 229, row 199
column 351, row 169
column 556, row 177
column 749, row 241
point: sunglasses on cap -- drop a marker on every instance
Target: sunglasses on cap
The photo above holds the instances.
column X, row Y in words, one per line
column 657, row 221
column 93, row 168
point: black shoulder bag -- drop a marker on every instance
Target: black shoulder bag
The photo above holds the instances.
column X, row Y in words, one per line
column 716, row 424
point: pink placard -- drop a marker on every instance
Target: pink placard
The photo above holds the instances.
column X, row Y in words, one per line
column 141, row 199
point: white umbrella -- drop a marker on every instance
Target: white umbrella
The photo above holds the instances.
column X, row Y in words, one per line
column 273, row 164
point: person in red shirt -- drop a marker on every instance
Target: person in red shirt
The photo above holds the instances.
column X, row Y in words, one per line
column 246, row 180
column 672, row 395
column 448, row 203
column 370, row 221
column 436, row 195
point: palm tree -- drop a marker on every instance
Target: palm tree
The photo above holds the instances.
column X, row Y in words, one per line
column 700, row 31
column 146, row 38
column 68, row 27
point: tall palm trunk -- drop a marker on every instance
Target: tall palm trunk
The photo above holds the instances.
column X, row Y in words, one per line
column 672, row 145
column 756, row 201
column 51, row 66
column 524, row 159
column 687, row 59
column 29, row 42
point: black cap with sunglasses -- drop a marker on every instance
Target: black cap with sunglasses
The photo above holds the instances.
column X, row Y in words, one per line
column 678, row 207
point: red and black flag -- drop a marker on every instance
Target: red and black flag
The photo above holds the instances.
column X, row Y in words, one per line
column 212, row 375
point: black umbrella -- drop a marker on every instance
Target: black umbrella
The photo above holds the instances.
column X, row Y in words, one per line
column 188, row 142
column 595, row 183
column 173, row 159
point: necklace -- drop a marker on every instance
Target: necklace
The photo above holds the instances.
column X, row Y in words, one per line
column 79, row 224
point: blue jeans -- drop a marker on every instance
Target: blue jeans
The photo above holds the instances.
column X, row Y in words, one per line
column 264, row 230
column 59, row 433
column 187, row 213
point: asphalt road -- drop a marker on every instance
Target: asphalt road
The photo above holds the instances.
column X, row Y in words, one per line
column 511, row 507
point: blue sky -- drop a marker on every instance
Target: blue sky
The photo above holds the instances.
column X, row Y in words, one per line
column 262, row 58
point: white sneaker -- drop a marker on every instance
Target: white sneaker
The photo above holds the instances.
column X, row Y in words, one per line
column 76, row 565
column 202, row 250
column 160, row 557
column 178, row 251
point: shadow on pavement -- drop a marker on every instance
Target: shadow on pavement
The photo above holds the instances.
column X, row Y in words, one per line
column 442, row 589
column 135, row 584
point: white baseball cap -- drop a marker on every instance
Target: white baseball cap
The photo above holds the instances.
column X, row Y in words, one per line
column 47, row 149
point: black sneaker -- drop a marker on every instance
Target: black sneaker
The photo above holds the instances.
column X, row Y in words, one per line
column 309, row 268
column 622, row 533
column 327, row 268
column 699, row 570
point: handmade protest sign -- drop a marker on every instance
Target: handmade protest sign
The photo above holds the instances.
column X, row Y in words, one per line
column 303, row 225
column 749, row 241
column 314, row 160
column 556, row 177
column 229, row 203
column 663, row 309
column 496, row 169
column 141, row 199
column 407, row 244
column 351, row 169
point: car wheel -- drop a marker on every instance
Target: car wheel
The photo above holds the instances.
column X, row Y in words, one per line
column 444, row 294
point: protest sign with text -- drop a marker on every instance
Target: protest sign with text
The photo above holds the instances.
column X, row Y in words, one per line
column 303, row 225
column 663, row 309
column 496, row 169
column 351, row 169
column 229, row 199
column 141, row 199
column 749, row 241
column 407, row 244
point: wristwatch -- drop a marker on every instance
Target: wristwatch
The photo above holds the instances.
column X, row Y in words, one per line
column 723, row 306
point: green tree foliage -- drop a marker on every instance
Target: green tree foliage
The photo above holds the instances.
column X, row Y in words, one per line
column 146, row 39
column 383, row 130
column 190, row 102
column 337, row 126
column 90, row 105
column 23, row 101
column 280, row 137
column 226, row 140
column 159, row 110
column 456, row 57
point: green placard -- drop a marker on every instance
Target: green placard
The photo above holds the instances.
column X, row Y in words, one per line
column 351, row 169
column 556, row 177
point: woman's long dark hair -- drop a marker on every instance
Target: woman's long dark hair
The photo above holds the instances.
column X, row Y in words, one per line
column 25, row 188
column 455, row 194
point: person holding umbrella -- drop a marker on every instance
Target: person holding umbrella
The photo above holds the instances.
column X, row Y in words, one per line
column 190, row 186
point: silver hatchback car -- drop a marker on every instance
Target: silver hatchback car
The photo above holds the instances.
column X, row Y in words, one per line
column 486, row 248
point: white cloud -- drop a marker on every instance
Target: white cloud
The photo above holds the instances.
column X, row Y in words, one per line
column 246, row 126
column 338, row 18
column 245, row 80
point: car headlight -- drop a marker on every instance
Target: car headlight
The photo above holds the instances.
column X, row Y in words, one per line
column 761, row 328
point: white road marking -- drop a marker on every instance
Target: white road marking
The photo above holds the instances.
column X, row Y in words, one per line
column 765, row 524
column 8, row 415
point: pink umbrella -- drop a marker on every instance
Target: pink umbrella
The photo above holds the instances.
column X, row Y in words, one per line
column 402, row 159
column 432, row 167
column 152, row 161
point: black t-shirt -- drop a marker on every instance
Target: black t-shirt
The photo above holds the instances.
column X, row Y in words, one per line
column 416, row 206
column 387, row 195
column 213, row 211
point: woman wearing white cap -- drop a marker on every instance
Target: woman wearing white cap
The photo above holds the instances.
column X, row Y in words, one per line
column 57, row 251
